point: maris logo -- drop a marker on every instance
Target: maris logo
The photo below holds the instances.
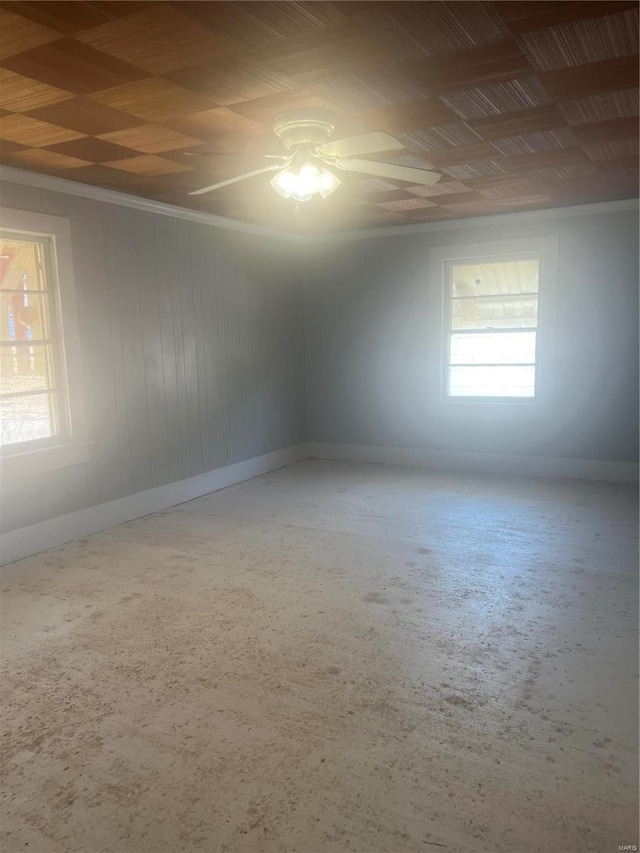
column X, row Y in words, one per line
column 632, row 848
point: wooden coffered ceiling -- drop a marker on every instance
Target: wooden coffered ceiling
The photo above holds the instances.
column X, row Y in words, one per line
column 520, row 105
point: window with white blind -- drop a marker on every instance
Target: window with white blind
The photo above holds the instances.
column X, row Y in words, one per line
column 491, row 323
column 41, row 415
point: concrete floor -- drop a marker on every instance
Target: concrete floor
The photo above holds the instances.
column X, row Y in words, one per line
column 331, row 658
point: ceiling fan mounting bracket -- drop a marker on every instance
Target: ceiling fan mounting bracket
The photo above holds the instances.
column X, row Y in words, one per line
column 308, row 127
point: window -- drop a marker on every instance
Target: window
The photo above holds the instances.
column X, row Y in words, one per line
column 32, row 393
column 41, row 418
column 492, row 322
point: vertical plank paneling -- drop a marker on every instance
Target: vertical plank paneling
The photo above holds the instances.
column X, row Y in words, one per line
column 119, row 417
column 185, row 296
column 127, row 285
column 191, row 344
column 213, row 353
column 230, row 287
column 199, row 278
column 221, row 371
column 181, row 377
column 168, row 346
column 151, row 347
column 92, row 289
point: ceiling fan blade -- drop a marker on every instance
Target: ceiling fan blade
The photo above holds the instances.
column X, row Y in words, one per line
column 367, row 143
column 236, row 179
column 236, row 154
column 390, row 170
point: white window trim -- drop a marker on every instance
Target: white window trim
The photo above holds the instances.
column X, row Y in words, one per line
column 546, row 248
column 71, row 447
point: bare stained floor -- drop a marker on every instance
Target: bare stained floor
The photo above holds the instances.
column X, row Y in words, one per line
column 332, row 658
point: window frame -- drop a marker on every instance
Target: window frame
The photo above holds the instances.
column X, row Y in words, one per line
column 448, row 332
column 69, row 445
column 442, row 258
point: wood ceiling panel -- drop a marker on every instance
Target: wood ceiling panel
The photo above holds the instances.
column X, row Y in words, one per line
column 85, row 116
column 232, row 79
column 153, row 99
column 524, row 93
column 602, row 131
column 150, row 139
column 562, row 173
column 380, row 196
column 100, row 175
column 456, row 198
column 28, row 131
column 407, row 204
column 71, row 17
column 605, row 106
column 263, row 110
column 255, row 25
column 21, row 94
column 628, row 164
column 159, row 39
column 522, row 16
column 493, row 168
column 532, row 143
column 91, row 150
column 7, row 149
column 446, row 136
column 541, row 159
column 47, row 160
column 491, row 64
column 582, row 42
column 612, row 149
column 147, row 164
column 18, row 34
column 73, row 66
column 462, row 154
column 310, row 57
column 536, row 120
column 518, row 105
column 417, row 30
column 400, row 118
column 594, row 78
column 514, row 189
column 375, row 87
column 439, row 189
column 219, row 121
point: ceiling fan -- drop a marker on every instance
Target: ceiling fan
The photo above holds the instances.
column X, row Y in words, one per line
column 303, row 173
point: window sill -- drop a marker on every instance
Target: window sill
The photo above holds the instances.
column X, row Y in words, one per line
column 479, row 409
column 26, row 463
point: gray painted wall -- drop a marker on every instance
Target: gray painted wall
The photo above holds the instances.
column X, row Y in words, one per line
column 192, row 340
column 195, row 339
column 370, row 377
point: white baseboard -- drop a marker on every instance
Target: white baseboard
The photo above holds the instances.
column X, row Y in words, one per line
column 494, row 463
column 56, row 531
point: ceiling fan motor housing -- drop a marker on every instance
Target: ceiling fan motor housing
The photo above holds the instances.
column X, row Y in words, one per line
column 308, row 127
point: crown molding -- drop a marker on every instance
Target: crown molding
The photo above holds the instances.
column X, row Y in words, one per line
column 498, row 219
column 61, row 185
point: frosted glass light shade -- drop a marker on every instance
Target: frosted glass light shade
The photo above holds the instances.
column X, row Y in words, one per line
column 303, row 183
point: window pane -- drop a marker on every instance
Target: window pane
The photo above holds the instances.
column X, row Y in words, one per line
column 20, row 265
column 24, row 368
column 501, row 348
column 495, row 313
column 25, row 418
column 490, row 278
column 23, row 316
column 492, row 381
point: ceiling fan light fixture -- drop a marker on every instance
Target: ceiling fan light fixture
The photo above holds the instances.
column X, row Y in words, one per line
column 303, row 182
